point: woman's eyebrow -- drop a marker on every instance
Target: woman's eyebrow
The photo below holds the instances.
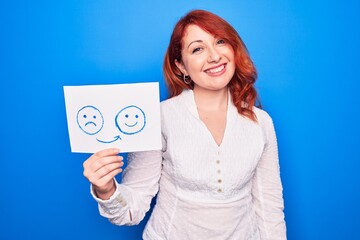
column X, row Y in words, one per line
column 196, row 41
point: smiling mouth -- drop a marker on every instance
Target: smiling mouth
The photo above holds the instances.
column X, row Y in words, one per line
column 110, row 141
column 133, row 125
column 216, row 70
column 90, row 123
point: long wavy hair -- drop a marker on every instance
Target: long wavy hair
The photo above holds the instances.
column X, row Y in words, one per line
column 241, row 86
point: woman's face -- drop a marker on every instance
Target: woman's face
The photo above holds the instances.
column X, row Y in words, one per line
column 209, row 61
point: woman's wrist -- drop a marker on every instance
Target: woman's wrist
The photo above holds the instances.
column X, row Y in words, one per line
column 105, row 194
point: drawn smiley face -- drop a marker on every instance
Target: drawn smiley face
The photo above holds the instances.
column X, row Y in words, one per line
column 90, row 120
column 130, row 120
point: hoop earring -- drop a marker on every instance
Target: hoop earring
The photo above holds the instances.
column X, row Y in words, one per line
column 187, row 79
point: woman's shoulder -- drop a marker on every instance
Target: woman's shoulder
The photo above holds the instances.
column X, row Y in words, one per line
column 263, row 116
column 169, row 101
column 170, row 107
column 175, row 101
column 169, row 104
column 265, row 122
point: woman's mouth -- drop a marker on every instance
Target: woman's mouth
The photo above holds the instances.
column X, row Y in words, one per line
column 217, row 70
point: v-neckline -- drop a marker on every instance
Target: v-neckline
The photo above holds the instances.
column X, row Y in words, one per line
column 211, row 135
column 190, row 101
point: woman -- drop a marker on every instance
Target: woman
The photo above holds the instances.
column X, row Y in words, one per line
column 217, row 176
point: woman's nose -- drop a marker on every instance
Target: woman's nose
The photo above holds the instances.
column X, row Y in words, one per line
column 214, row 55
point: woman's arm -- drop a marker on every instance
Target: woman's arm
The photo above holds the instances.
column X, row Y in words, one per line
column 131, row 199
column 267, row 187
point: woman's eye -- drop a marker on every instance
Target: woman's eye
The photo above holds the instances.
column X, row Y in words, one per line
column 221, row 41
column 196, row 49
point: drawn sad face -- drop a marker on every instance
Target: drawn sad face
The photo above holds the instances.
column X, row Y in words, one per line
column 130, row 120
column 90, row 120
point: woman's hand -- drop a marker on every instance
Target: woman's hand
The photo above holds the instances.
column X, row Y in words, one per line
column 101, row 168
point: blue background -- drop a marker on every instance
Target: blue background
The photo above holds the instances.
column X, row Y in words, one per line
column 307, row 56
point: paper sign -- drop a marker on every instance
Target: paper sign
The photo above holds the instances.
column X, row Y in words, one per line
column 126, row 116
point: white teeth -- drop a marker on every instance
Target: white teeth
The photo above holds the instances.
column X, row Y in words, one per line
column 216, row 70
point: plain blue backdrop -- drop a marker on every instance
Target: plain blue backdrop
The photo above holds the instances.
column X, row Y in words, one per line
column 307, row 56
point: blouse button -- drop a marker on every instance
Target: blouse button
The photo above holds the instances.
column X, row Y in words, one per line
column 219, row 190
column 218, row 171
column 219, row 180
column 217, row 161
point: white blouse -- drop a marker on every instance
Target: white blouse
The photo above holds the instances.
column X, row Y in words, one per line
column 204, row 191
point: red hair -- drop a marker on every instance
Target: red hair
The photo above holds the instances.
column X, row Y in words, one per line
column 241, row 86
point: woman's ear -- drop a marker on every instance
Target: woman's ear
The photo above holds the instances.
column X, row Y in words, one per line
column 181, row 67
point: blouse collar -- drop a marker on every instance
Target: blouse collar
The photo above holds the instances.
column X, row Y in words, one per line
column 232, row 114
column 189, row 100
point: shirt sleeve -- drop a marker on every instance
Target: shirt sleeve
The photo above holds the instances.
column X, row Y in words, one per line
column 267, row 187
column 132, row 198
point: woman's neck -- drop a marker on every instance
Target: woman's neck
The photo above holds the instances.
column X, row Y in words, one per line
column 207, row 100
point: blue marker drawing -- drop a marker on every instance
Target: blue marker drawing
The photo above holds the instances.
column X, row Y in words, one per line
column 130, row 120
column 111, row 141
column 90, row 120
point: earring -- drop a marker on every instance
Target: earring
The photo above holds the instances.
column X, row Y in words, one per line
column 187, row 79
